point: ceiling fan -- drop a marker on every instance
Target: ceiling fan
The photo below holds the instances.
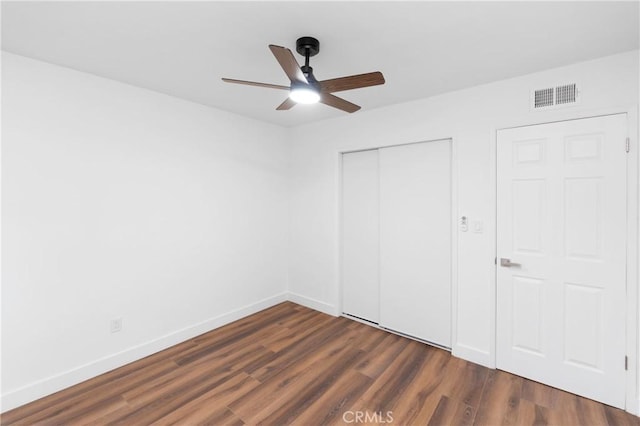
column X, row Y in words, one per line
column 304, row 88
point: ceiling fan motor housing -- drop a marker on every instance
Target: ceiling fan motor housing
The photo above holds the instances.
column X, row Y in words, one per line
column 308, row 45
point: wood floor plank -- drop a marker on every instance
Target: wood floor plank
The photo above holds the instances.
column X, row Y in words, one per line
column 465, row 415
column 377, row 361
column 452, row 412
column 419, row 400
column 291, row 365
column 329, row 407
column 532, row 414
column 85, row 411
column 297, row 376
column 256, row 323
column 226, row 344
column 444, row 412
column 539, row 394
column 212, row 404
column 223, row 417
column 386, row 390
column 373, row 337
column 165, row 401
column 500, row 398
column 105, row 419
column 620, row 418
column 187, row 377
column 300, row 319
column 293, row 403
column 288, row 336
column 61, row 408
column 468, row 381
column 591, row 411
column 300, row 350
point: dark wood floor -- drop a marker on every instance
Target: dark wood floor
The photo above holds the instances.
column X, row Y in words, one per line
column 291, row 365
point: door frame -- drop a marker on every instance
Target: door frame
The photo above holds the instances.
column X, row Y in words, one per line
column 454, row 229
column 632, row 401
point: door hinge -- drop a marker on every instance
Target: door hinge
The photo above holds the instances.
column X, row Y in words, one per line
column 495, row 260
column 627, row 145
column 626, row 362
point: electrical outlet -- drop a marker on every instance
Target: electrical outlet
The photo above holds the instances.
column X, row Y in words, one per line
column 116, row 325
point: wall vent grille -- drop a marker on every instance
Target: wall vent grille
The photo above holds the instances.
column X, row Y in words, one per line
column 543, row 98
column 554, row 97
column 566, row 94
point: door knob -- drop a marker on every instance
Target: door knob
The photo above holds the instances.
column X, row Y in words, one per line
column 507, row 263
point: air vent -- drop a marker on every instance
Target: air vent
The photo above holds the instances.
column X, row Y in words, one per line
column 543, row 98
column 554, row 97
column 566, row 94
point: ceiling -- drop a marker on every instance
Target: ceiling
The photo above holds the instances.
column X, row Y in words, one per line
column 423, row 48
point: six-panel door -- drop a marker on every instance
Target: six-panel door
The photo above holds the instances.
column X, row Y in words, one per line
column 561, row 218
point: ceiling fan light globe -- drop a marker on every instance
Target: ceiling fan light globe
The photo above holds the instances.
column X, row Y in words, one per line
column 304, row 95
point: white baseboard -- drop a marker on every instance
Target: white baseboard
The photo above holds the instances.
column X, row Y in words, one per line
column 33, row 391
column 313, row 304
column 469, row 353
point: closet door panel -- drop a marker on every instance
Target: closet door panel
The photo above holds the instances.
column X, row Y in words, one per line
column 360, row 239
column 415, row 240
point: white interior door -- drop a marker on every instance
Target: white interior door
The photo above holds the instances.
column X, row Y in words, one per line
column 415, row 240
column 360, row 240
column 562, row 223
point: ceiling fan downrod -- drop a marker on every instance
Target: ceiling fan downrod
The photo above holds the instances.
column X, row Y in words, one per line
column 308, row 47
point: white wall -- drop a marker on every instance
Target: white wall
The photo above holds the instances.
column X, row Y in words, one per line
column 471, row 117
column 122, row 202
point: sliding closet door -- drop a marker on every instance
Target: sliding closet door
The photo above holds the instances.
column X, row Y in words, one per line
column 360, row 242
column 415, row 240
